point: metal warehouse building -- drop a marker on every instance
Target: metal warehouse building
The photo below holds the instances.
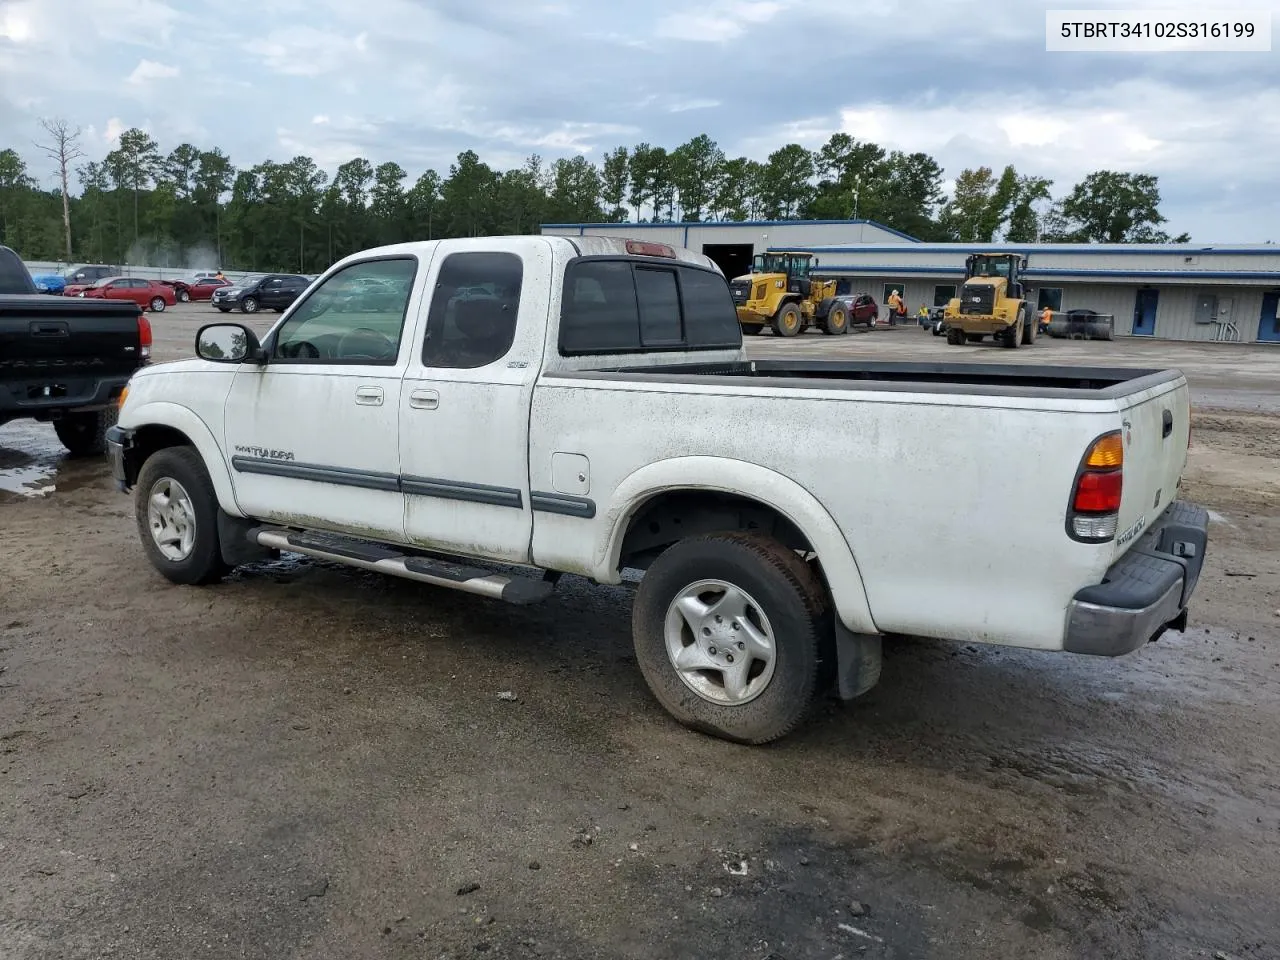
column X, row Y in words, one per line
column 1170, row 291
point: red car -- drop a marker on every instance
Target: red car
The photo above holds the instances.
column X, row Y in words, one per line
column 862, row 308
column 196, row 288
column 147, row 294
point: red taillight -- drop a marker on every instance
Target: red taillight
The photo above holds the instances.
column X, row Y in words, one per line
column 1095, row 501
column 1099, row 492
column 144, row 335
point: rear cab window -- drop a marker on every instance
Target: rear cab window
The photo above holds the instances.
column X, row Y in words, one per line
column 633, row 305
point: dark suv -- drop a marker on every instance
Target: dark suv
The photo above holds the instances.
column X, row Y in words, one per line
column 275, row 291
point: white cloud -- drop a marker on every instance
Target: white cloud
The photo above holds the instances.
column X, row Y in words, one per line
column 111, row 132
column 308, row 52
column 683, row 106
column 149, row 70
column 320, row 119
column 719, row 22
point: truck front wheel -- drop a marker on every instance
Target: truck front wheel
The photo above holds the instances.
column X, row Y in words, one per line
column 177, row 514
column 788, row 321
column 728, row 631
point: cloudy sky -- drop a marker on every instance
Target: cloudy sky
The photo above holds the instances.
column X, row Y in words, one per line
column 417, row 81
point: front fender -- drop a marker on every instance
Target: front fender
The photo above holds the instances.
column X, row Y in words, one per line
column 162, row 413
column 740, row 478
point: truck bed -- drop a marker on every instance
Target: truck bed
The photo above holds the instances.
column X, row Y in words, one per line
column 986, row 379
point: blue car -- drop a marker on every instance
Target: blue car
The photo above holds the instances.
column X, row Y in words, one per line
column 56, row 283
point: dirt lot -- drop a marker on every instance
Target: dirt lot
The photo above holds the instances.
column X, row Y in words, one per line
column 310, row 762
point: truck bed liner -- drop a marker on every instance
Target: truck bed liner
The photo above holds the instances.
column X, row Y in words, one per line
column 958, row 378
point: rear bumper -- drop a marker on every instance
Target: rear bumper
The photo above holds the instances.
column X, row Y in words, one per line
column 44, row 399
column 1146, row 591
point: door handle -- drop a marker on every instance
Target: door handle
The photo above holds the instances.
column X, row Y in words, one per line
column 369, row 396
column 424, row 399
column 1168, row 423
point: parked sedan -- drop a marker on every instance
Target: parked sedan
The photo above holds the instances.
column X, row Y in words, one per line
column 862, row 308
column 275, row 291
column 147, row 294
column 195, row 288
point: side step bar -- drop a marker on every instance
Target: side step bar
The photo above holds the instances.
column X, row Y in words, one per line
column 368, row 555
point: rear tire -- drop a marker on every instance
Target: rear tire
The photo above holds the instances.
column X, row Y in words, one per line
column 788, row 321
column 760, row 678
column 1028, row 330
column 157, row 305
column 85, row 434
column 1011, row 337
column 956, row 338
column 836, row 322
column 176, row 510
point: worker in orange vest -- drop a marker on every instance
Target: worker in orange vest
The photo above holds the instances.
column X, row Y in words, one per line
column 1046, row 316
column 896, row 307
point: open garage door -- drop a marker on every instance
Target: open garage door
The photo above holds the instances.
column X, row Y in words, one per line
column 733, row 258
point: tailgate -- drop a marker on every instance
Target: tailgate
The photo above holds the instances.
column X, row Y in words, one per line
column 42, row 335
column 1157, row 429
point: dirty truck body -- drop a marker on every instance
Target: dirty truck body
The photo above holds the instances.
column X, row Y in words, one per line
column 538, row 406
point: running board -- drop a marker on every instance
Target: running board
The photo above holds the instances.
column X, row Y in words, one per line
column 368, row 555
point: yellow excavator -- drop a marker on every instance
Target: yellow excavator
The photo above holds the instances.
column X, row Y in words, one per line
column 992, row 302
column 780, row 292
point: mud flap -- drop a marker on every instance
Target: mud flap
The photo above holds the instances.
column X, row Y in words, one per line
column 858, row 659
column 234, row 543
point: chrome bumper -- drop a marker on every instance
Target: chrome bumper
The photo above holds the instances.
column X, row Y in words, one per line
column 1146, row 591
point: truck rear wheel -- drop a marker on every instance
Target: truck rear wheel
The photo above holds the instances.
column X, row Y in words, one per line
column 1028, row 329
column 177, row 514
column 788, row 321
column 836, row 321
column 728, row 631
column 956, row 337
column 85, row 434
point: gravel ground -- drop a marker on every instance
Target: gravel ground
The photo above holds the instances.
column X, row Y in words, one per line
column 308, row 761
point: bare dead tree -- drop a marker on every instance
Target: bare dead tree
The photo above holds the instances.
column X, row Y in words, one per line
column 64, row 150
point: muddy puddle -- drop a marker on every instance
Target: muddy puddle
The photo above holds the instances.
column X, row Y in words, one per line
column 34, row 464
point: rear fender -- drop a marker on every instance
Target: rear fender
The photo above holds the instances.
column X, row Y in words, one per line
column 161, row 413
column 758, row 483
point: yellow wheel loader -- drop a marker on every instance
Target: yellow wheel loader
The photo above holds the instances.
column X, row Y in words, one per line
column 780, row 292
column 992, row 302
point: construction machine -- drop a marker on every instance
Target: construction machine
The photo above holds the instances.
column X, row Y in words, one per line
column 781, row 292
column 992, row 302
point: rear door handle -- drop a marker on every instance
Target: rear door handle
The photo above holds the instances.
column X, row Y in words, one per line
column 369, row 396
column 1168, row 422
column 424, row 399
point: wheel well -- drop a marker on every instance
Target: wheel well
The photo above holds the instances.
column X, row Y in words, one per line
column 150, row 439
column 674, row 516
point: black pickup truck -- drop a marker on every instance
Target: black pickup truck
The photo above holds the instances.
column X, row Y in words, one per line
column 65, row 360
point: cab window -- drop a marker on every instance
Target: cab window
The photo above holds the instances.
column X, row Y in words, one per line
column 356, row 316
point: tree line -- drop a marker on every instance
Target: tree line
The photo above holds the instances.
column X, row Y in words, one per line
column 141, row 205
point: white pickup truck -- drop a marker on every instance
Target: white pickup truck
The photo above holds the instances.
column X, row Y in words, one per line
column 486, row 414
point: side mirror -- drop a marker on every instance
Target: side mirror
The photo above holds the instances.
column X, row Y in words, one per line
column 228, row 343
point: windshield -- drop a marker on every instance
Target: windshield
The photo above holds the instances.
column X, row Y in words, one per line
column 991, row 268
column 797, row 266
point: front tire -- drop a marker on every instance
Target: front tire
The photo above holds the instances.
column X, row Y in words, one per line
column 85, row 434
column 249, row 305
column 787, row 323
column 1028, row 330
column 1012, row 336
column 184, row 296
column 836, row 322
column 956, row 338
column 176, row 509
column 729, row 631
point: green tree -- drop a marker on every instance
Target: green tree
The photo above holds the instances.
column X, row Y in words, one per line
column 696, row 170
column 133, row 165
column 1112, row 207
column 615, row 178
column 787, row 181
column 575, row 191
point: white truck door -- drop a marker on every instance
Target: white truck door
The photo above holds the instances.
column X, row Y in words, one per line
column 464, row 411
column 312, row 434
